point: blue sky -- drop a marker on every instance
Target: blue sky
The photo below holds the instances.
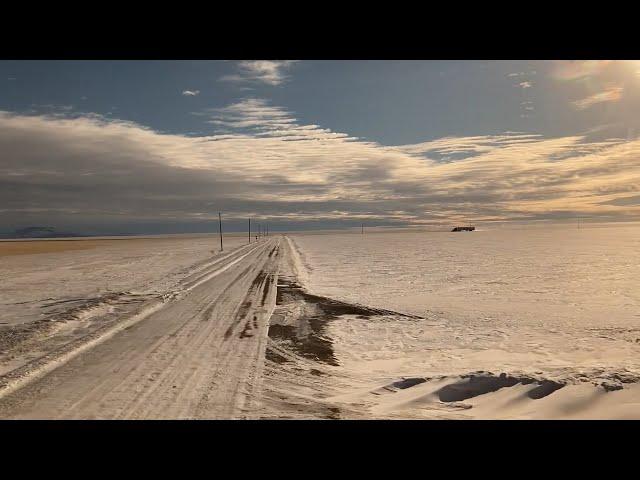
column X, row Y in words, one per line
column 316, row 143
column 392, row 102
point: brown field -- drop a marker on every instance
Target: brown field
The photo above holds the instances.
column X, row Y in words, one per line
column 30, row 247
column 48, row 246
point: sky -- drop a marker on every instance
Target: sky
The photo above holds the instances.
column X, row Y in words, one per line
column 108, row 147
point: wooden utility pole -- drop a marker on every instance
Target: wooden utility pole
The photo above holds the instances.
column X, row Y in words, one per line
column 220, row 224
column 363, row 228
column 249, row 230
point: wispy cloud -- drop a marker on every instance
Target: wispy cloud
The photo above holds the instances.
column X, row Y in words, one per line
column 190, row 93
column 270, row 72
column 527, row 105
column 578, row 69
column 259, row 118
column 521, row 74
column 611, row 94
column 599, row 76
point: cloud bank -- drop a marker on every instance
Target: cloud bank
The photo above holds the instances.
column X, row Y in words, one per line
column 88, row 169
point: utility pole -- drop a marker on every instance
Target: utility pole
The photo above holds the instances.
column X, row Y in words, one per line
column 363, row 228
column 220, row 223
column 249, row 230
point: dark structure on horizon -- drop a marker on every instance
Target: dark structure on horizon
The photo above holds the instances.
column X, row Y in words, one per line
column 463, row 229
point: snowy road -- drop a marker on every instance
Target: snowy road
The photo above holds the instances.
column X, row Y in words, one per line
column 198, row 355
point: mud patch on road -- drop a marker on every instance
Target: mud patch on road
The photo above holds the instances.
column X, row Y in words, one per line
column 249, row 327
column 259, row 280
column 206, row 315
column 245, row 308
column 267, row 287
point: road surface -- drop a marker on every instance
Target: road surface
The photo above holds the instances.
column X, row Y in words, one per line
column 199, row 355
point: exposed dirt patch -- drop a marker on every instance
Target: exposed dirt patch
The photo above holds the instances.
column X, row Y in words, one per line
column 290, row 290
column 304, row 331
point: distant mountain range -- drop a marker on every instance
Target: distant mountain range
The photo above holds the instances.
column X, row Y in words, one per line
column 39, row 232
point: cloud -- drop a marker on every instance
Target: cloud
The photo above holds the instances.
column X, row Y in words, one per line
column 526, row 109
column 605, row 77
column 257, row 117
column 90, row 170
column 611, row 94
column 190, row 93
column 521, row 74
column 270, row 72
column 578, row 69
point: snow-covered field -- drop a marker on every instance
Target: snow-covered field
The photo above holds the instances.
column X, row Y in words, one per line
column 556, row 303
column 35, row 285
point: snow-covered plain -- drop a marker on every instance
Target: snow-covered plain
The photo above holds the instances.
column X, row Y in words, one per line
column 558, row 303
column 536, row 322
column 35, row 285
